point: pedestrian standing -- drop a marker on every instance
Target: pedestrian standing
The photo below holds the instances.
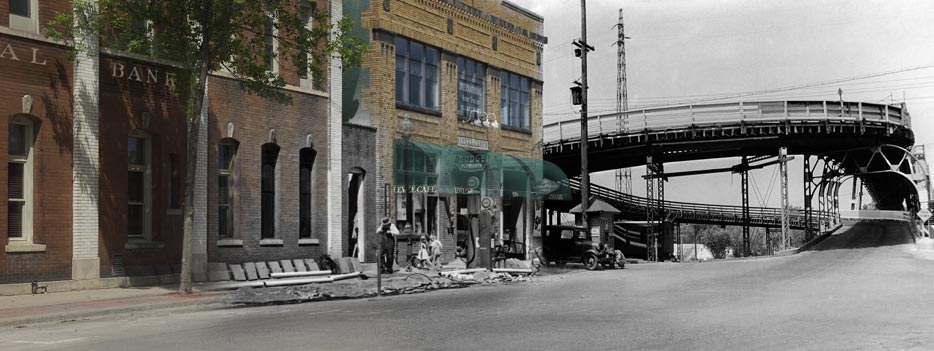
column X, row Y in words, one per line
column 387, row 245
column 435, row 251
column 423, row 256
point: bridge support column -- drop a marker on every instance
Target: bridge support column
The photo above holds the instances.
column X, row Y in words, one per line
column 808, row 194
column 744, row 175
column 783, row 169
column 651, row 240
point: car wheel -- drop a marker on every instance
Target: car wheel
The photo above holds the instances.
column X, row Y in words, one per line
column 591, row 262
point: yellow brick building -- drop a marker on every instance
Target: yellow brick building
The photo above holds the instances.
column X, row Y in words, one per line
column 452, row 91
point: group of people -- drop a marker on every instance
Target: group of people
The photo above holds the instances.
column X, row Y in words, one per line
column 429, row 253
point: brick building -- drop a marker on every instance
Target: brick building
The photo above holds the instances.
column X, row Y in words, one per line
column 95, row 154
column 450, row 96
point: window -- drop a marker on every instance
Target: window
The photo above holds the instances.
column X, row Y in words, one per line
column 471, row 96
column 23, row 15
column 226, row 160
column 268, row 190
column 19, row 180
column 514, row 100
column 305, row 188
column 139, row 186
column 308, row 81
column 416, row 74
column 271, row 44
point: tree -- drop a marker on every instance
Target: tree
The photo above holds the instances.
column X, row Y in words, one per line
column 718, row 241
column 203, row 36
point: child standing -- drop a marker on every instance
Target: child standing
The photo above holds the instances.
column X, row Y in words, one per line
column 423, row 253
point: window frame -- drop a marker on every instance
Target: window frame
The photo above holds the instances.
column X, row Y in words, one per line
column 26, row 217
column 428, row 66
column 26, row 23
column 146, row 169
column 514, row 89
column 308, row 81
column 230, row 174
column 306, row 205
column 478, row 78
column 269, row 219
column 273, row 43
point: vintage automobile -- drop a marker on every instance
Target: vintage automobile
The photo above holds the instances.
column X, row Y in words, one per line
column 572, row 244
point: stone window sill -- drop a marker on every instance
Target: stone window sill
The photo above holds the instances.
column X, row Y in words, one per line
column 230, row 243
column 143, row 244
column 308, row 242
column 24, row 247
column 270, row 242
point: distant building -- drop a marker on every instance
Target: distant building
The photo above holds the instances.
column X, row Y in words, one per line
column 450, row 97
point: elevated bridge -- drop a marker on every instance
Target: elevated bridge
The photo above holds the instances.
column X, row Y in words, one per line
column 838, row 140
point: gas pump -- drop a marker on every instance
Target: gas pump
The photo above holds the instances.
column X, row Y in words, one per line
column 485, row 249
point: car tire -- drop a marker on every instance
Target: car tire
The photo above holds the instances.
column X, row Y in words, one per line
column 591, row 262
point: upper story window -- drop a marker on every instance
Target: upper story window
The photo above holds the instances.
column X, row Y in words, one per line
column 24, row 15
column 514, row 100
column 416, row 74
column 471, row 96
column 271, row 44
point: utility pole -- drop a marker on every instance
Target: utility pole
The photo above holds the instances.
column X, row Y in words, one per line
column 623, row 176
column 582, row 49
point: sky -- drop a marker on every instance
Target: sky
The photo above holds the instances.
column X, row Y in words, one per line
column 681, row 51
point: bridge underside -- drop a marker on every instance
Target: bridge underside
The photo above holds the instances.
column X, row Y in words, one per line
column 614, row 151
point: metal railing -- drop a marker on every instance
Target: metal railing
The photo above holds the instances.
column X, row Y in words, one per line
column 678, row 117
column 688, row 211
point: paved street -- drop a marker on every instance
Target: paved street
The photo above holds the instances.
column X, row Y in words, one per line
column 861, row 289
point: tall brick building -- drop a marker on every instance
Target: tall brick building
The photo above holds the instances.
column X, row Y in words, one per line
column 450, row 97
column 95, row 153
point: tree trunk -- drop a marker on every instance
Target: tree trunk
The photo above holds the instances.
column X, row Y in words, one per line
column 196, row 104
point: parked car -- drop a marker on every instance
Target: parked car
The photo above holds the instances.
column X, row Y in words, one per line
column 563, row 244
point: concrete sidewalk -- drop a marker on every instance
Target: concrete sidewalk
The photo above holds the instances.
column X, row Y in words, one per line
column 21, row 310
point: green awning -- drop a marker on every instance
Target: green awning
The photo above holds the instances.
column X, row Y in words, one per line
column 427, row 167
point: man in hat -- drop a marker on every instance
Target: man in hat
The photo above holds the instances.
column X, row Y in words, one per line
column 387, row 245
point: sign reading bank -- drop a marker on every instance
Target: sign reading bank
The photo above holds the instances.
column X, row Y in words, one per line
column 142, row 74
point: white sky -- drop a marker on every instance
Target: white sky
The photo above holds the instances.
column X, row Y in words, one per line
column 685, row 50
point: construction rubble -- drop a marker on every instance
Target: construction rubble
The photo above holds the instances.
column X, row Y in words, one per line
column 408, row 281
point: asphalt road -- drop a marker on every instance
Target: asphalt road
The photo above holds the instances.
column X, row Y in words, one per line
column 862, row 289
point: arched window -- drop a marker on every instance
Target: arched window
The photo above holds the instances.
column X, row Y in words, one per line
column 19, row 179
column 306, row 187
column 226, row 187
column 139, row 185
column 270, row 155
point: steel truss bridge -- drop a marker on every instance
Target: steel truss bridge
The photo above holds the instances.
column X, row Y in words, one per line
column 864, row 142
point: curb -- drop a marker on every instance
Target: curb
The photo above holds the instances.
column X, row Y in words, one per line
column 210, row 302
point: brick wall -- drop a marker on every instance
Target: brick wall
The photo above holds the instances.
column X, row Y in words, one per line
column 252, row 118
column 49, row 84
column 358, row 146
column 126, row 99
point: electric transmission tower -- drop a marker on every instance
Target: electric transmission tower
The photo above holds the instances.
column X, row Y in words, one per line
column 623, row 176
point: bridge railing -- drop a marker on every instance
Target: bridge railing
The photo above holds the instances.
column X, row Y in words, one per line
column 687, row 211
column 677, row 117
